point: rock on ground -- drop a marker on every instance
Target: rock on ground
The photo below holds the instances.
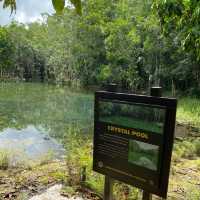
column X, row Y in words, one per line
column 53, row 193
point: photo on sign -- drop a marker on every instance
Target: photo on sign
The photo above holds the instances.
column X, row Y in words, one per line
column 138, row 116
column 143, row 154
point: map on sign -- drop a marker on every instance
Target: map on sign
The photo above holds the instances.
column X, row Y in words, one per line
column 133, row 137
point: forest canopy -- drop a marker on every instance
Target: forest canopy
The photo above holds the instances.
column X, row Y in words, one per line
column 130, row 43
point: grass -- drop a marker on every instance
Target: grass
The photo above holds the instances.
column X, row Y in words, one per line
column 4, row 160
column 10, row 160
column 79, row 147
column 184, row 180
column 20, row 183
column 187, row 154
column 189, row 148
column 80, row 155
column 193, row 193
column 185, row 158
column 44, row 173
column 189, row 111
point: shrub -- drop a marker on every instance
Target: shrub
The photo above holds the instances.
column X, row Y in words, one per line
column 189, row 111
column 186, row 149
column 197, row 147
column 4, row 160
column 193, row 193
column 47, row 158
column 79, row 155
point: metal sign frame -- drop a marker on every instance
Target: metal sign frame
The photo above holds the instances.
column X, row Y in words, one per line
column 119, row 169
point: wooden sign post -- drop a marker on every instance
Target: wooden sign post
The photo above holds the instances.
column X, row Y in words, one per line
column 108, row 188
column 133, row 139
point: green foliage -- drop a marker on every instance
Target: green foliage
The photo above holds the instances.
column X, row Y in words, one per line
column 47, row 158
column 68, row 191
column 184, row 16
column 78, row 5
column 4, row 160
column 9, row 3
column 105, row 74
column 122, row 192
column 186, row 149
column 113, row 41
column 193, row 193
column 189, row 111
column 79, row 154
column 6, row 50
column 197, row 147
column 58, row 5
column 79, row 151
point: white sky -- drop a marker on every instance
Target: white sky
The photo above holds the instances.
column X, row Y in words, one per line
column 27, row 11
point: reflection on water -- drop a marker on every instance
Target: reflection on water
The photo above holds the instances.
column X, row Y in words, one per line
column 28, row 111
column 29, row 142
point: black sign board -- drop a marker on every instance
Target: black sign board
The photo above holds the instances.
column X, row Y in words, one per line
column 133, row 139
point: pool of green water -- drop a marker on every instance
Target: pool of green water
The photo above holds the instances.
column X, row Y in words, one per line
column 27, row 108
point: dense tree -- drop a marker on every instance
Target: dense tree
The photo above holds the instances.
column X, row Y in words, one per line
column 6, row 51
column 184, row 16
column 180, row 22
column 120, row 41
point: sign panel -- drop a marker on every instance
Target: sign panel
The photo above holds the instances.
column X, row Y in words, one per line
column 133, row 139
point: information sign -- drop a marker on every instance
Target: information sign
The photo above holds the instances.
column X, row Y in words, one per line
column 133, row 139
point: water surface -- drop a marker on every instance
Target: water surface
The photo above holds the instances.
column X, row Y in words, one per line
column 35, row 117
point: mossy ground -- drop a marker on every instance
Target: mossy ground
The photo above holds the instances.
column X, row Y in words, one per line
column 185, row 180
column 19, row 183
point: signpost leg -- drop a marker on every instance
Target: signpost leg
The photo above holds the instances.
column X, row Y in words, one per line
column 108, row 188
column 146, row 196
